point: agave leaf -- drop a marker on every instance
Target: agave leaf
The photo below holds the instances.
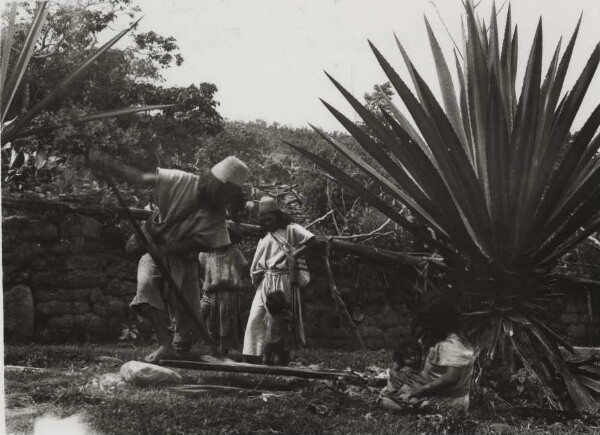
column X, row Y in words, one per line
column 572, row 105
column 464, row 109
column 506, row 69
column 561, row 128
column 554, row 336
column 460, row 174
column 382, row 133
column 497, row 328
column 62, row 86
column 20, row 67
column 589, row 369
column 7, row 43
column 588, row 156
column 374, row 149
column 592, row 384
column 92, row 117
column 566, row 169
column 447, row 88
column 547, row 118
column 591, row 228
column 405, row 179
column 523, row 138
column 577, row 194
column 494, row 44
column 379, row 179
column 497, row 142
column 455, row 222
column 514, row 61
column 443, row 157
column 577, row 390
column 408, row 64
column 531, row 351
column 368, row 196
column 477, row 93
column 405, row 123
column 526, row 353
column 557, row 85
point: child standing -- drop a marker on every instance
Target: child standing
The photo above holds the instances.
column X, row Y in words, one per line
column 225, row 272
column 278, row 334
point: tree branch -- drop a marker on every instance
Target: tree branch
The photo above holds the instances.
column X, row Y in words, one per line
column 365, row 235
column 319, row 219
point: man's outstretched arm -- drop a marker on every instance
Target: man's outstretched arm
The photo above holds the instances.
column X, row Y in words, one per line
column 109, row 166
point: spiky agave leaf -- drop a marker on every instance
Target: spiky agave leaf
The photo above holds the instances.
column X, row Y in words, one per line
column 9, row 89
column 17, row 128
column 488, row 174
column 88, row 118
column 8, row 34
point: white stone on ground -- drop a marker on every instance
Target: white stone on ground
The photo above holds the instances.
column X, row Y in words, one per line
column 142, row 374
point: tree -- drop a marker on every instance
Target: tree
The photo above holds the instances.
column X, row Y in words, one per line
column 487, row 174
column 125, row 76
column 378, row 100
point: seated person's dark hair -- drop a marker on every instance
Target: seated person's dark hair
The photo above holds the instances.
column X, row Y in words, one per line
column 276, row 302
column 440, row 316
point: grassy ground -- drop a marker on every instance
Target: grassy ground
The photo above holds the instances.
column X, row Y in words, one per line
column 68, row 385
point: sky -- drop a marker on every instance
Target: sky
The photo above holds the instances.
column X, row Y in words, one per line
column 267, row 57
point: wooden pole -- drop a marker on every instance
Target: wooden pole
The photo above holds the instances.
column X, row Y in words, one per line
column 151, row 248
column 339, row 303
column 257, row 369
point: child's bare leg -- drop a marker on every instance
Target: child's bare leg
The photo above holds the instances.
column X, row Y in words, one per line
column 160, row 322
column 285, row 358
column 266, row 358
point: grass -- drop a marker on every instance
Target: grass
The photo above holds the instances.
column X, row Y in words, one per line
column 65, row 387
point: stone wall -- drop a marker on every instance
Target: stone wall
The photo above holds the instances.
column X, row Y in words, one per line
column 66, row 278
column 75, row 269
column 70, row 268
column 377, row 307
column 571, row 316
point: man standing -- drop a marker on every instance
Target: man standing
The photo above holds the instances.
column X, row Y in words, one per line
column 191, row 218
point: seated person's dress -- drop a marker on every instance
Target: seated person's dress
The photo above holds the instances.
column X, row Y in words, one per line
column 454, row 351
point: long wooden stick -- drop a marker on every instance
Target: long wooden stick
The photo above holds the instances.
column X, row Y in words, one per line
column 150, row 245
column 339, row 302
column 258, row 369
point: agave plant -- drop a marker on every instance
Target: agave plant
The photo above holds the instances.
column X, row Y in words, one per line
column 11, row 79
column 493, row 174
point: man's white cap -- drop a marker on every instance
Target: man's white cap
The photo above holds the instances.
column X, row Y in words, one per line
column 231, row 170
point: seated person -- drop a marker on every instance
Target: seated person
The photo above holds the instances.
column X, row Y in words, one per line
column 444, row 382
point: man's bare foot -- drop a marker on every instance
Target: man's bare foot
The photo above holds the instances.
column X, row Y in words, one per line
column 162, row 352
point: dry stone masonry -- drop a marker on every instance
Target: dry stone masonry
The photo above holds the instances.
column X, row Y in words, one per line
column 71, row 269
column 66, row 279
